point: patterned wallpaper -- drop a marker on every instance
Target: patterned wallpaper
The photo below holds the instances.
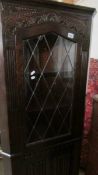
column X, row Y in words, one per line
column 92, row 89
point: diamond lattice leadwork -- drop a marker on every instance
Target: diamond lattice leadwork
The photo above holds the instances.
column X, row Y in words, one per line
column 49, row 78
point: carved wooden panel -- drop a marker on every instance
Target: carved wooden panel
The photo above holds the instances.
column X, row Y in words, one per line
column 56, row 162
column 16, row 16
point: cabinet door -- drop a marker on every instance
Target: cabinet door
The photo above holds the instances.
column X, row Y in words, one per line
column 46, row 80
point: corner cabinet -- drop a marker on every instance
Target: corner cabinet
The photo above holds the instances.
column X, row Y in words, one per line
column 42, row 86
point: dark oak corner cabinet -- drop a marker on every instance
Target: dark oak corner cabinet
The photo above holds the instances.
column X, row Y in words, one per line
column 43, row 69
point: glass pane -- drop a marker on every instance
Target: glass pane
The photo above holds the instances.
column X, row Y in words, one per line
column 49, row 79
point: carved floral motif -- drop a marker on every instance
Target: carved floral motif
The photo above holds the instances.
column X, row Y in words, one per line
column 16, row 17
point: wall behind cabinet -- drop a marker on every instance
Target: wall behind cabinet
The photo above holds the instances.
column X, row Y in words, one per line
column 94, row 38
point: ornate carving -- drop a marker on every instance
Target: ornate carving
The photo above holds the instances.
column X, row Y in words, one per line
column 16, row 16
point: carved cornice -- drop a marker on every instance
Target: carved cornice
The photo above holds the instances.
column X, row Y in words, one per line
column 15, row 17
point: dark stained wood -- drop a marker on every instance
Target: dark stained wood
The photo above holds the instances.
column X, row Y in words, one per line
column 56, row 4
column 52, row 154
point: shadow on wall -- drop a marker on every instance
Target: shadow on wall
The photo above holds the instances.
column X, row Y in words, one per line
column 92, row 89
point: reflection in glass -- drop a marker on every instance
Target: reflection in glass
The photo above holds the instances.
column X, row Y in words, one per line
column 49, row 69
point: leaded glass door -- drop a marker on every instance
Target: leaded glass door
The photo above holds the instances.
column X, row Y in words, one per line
column 48, row 64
